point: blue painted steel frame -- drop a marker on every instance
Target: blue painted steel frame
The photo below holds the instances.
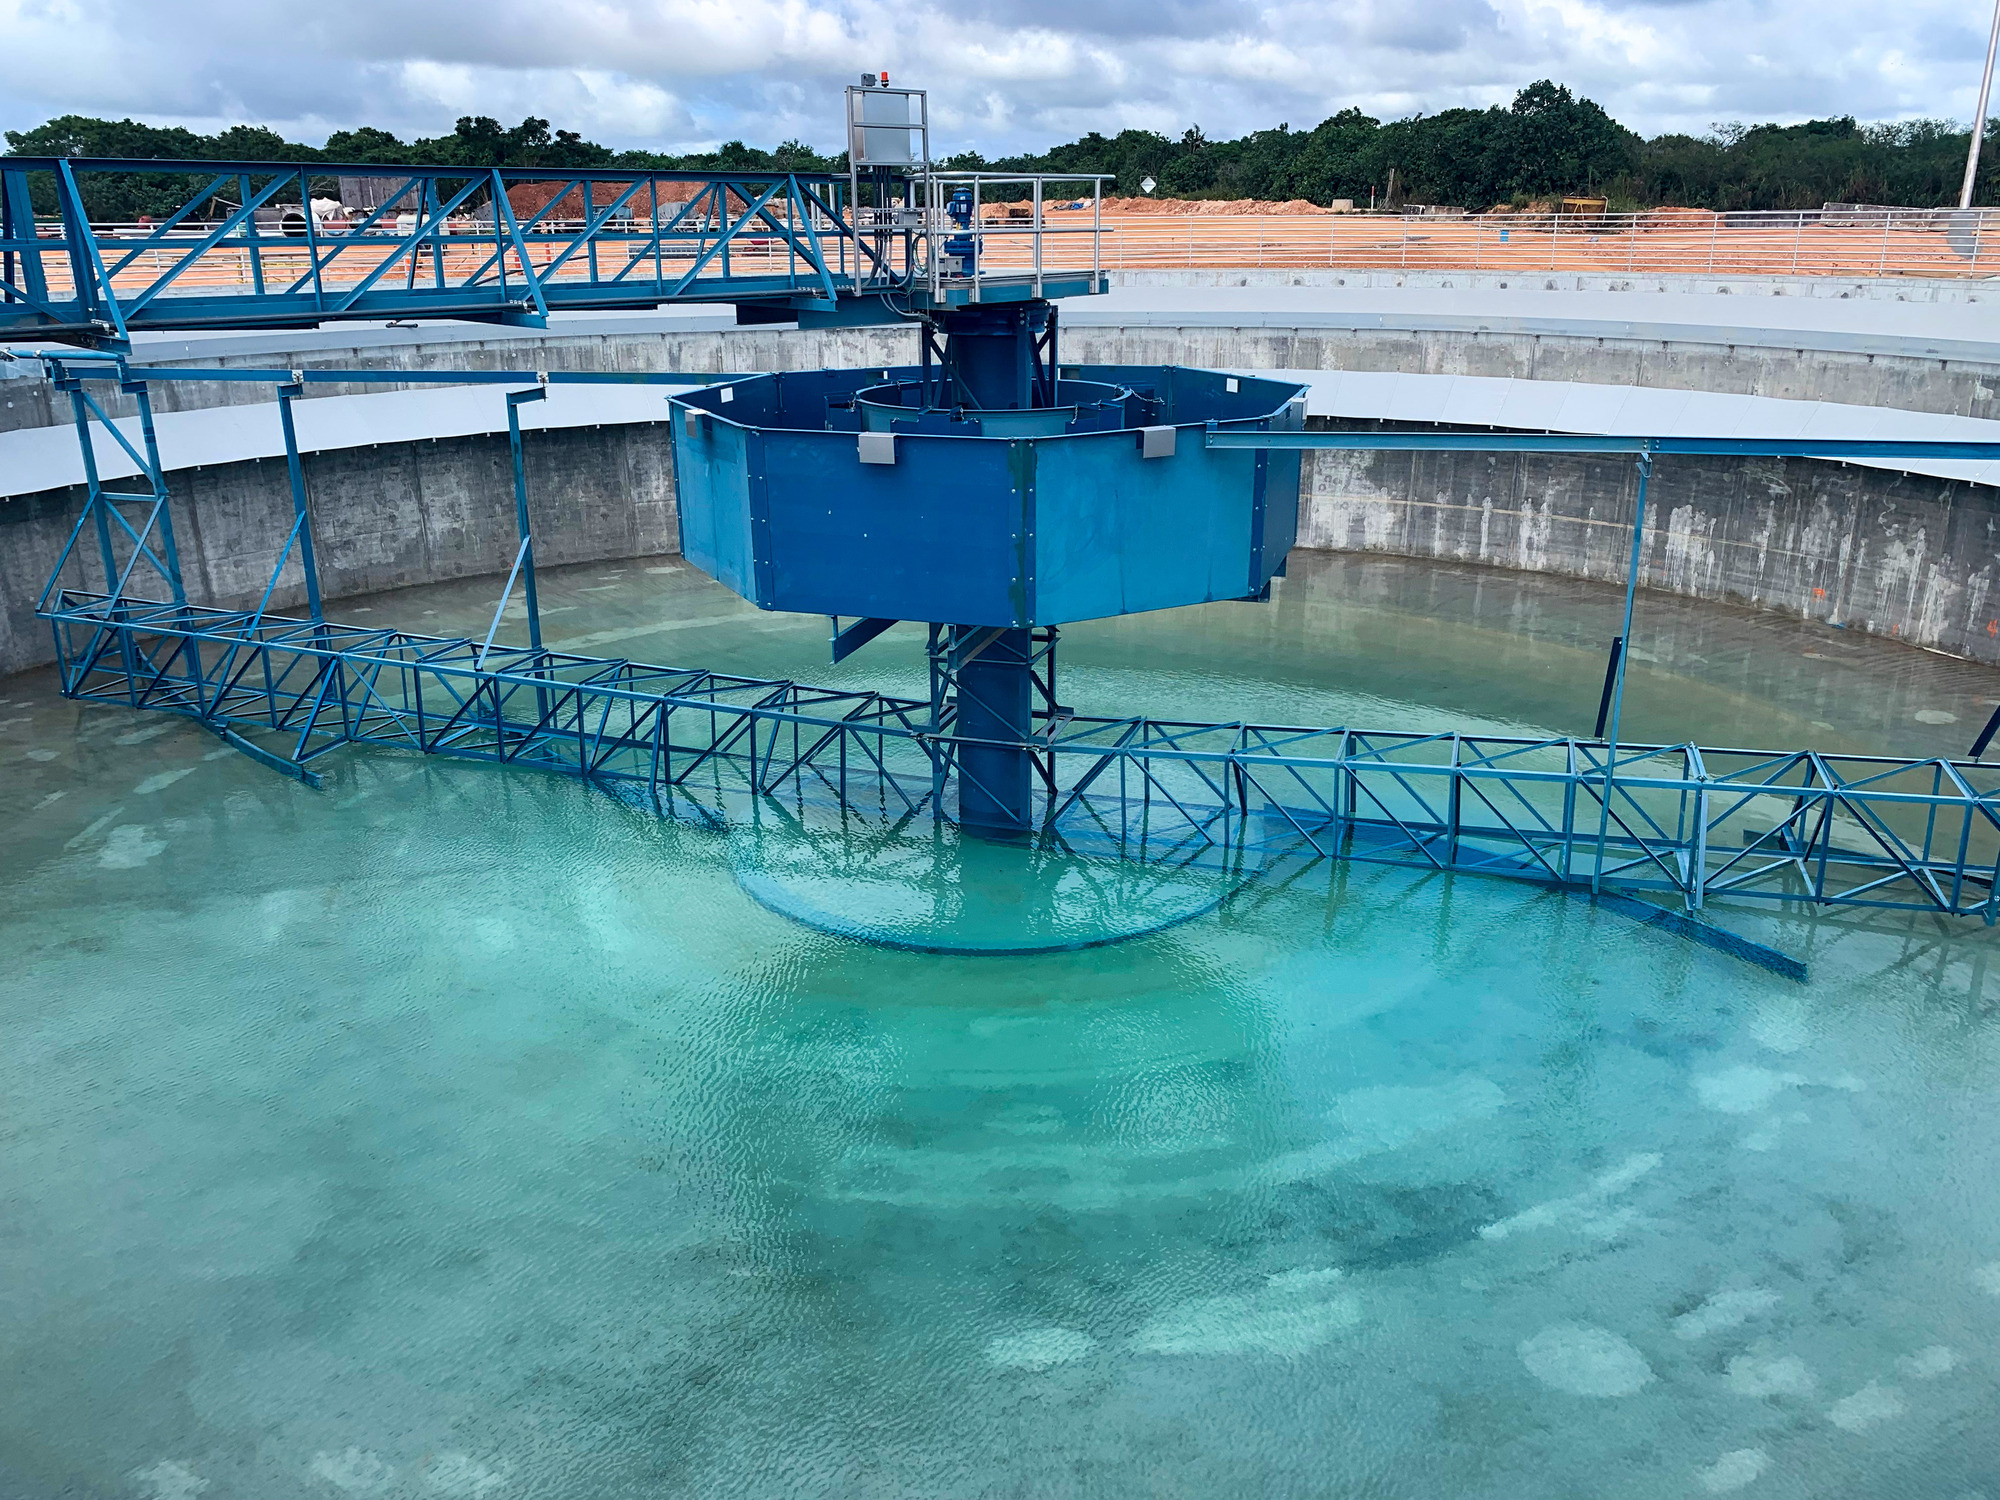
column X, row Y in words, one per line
column 634, row 246
column 971, row 529
column 1559, row 442
column 1693, row 822
column 1920, row 834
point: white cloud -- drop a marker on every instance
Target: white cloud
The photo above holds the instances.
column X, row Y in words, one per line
column 1006, row 74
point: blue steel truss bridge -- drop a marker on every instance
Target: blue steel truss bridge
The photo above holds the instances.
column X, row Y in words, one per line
column 1691, row 823
column 242, row 248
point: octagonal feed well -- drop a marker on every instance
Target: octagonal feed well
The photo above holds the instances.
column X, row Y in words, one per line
column 834, row 492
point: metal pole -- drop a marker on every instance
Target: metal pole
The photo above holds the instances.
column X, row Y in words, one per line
column 527, row 560
column 1610, row 681
column 157, row 480
column 94, row 500
column 1097, row 228
column 1038, row 235
column 95, row 503
column 1979, row 114
column 1618, row 676
column 252, row 253
column 308, row 563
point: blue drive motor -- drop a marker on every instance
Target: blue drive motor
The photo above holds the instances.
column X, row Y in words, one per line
column 962, row 248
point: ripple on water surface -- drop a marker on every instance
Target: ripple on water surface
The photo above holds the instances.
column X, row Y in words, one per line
column 454, row 1132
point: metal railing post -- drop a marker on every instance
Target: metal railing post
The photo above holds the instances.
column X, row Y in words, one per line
column 1698, row 857
column 94, row 488
column 312, row 241
column 301, row 509
column 1096, row 231
column 1618, row 683
column 439, row 229
column 522, row 528
column 253, row 253
column 156, row 477
column 1037, row 201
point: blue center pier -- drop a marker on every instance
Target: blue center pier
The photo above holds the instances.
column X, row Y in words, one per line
column 865, row 496
column 988, row 490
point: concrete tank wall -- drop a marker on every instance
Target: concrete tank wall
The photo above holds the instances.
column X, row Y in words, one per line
column 1957, row 386
column 1903, row 382
column 384, row 518
column 1909, row 557
column 1905, row 556
column 31, row 401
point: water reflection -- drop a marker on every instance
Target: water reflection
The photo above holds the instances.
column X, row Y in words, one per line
column 465, row 1132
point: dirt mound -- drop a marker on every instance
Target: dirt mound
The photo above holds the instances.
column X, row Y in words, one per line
column 1678, row 218
column 1207, row 207
column 529, row 198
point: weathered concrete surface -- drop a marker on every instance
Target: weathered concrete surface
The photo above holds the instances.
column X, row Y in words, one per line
column 31, row 401
column 1950, row 387
column 1908, row 557
column 1905, row 556
column 384, row 518
column 1965, row 384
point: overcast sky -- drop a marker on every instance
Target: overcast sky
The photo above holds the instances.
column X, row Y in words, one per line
column 1003, row 74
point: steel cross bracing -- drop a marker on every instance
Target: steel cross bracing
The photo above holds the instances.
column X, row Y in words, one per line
column 1696, row 823
column 444, row 243
column 241, row 250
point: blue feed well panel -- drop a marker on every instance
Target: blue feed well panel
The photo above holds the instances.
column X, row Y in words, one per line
column 712, row 499
column 1284, row 476
column 1116, row 533
column 937, row 535
column 776, row 503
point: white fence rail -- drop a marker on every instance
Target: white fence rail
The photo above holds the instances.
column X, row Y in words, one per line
column 1945, row 243
column 1868, row 242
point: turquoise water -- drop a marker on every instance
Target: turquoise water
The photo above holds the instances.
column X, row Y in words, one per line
column 461, row 1133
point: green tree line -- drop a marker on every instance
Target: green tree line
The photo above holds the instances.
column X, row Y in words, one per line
column 477, row 142
column 1548, row 142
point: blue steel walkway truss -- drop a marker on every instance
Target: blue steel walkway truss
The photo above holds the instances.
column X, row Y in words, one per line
column 1694, row 823
column 241, row 251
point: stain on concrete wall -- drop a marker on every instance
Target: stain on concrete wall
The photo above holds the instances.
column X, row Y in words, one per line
column 1906, row 556
column 383, row 518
